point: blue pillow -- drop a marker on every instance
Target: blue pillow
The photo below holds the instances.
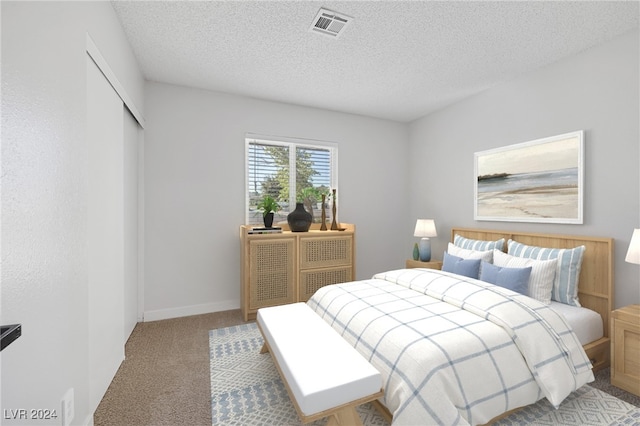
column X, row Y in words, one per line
column 516, row 279
column 457, row 265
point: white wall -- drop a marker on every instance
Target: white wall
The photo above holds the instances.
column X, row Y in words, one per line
column 596, row 91
column 195, row 184
column 45, row 195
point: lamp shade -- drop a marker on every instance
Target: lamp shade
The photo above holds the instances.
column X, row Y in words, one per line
column 425, row 228
column 633, row 254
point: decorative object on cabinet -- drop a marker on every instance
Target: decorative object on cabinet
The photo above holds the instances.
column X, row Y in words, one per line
column 425, row 228
column 299, row 220
column 334, row 209
column 535, row 181
column 269, row 207
column 323, row 218
column 288, row 267
column 416, row 252
column 268, row 220
column 272, row 230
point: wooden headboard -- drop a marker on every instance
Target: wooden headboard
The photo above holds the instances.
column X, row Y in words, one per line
column 595, row 285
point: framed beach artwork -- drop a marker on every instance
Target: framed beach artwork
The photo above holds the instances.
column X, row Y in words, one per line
column 535, row 181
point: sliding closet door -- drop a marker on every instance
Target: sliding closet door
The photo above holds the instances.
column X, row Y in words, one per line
column 132, row 142
column 105, row 137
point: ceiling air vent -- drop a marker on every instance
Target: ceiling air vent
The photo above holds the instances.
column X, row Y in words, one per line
column 330, row 23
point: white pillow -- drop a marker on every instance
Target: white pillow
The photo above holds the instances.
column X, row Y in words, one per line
column 454, row 250
column 543, row 273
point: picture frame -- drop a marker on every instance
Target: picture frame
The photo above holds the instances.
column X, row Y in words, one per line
column 537, row 181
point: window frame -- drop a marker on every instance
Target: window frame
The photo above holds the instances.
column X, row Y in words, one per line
column 292, row 143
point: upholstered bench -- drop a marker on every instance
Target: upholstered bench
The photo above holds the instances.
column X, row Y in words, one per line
column 324, row 375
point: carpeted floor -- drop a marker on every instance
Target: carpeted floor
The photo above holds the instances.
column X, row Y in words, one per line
column 165, row 377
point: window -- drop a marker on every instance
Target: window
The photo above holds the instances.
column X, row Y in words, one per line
column 290, row 171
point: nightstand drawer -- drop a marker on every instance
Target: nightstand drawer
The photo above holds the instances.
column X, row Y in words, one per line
column 434, row 264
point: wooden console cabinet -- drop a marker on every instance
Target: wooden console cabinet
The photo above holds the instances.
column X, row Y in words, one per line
column 289, row 267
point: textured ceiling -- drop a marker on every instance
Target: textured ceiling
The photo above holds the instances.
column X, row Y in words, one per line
column 396, row 60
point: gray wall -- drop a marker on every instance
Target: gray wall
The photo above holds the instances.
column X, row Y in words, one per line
column 195, row 186
column 595, row 91
column 45, row 194
column 390, row 173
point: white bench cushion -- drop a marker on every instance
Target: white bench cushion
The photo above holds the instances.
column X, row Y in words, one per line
column 322, row 369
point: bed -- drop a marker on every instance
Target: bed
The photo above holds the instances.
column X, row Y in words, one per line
column 458, row 350
column 595, row 285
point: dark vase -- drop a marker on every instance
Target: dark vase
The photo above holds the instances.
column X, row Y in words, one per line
column 299, row 220
column 323, row 219
column 334, row 210
column 268, row 220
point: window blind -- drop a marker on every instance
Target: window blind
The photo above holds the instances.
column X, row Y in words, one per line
column 289, row 171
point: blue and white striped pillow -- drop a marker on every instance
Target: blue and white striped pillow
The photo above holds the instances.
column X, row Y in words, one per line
column 479, row 245
column 565, row 284
column 542, row 275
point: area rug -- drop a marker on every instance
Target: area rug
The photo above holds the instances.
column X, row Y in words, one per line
column 247, row 390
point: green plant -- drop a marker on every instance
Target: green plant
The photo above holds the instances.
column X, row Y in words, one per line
column 268, row 205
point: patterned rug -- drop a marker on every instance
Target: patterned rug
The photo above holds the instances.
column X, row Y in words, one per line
column 246, row 390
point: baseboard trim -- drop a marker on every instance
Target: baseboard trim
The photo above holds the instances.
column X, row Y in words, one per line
column 185, row 311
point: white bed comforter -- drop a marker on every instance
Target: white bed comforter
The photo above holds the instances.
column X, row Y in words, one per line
column 454, row 350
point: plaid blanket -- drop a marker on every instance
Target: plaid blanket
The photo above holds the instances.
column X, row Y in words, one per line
column 454, row 350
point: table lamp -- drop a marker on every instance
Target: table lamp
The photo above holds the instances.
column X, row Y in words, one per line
column 633, row 254
column 425, row 228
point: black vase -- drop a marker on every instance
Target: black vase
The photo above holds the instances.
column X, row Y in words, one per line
column 268, row 220
column 299, row 220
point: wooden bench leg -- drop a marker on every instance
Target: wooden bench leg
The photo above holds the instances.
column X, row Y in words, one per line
column 347, row 416
column 264, row 348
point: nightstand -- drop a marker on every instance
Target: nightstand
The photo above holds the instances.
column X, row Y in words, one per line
column 434, row 264
column 625, row 348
